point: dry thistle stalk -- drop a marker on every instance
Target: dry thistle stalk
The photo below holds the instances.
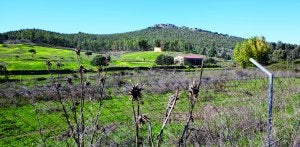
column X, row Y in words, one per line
column 193, row 95
column 173, row 98
column 81, row 69
column 58, row 64
column 69, row 81
column 58, row 86
column 136, row 95
column 170, row 106
column 77, row 51
column 142, row 119
column 49, row 64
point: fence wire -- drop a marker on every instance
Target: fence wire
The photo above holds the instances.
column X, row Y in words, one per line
column 230, row 110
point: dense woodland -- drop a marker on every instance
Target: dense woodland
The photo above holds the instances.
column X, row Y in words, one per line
column 168, row 36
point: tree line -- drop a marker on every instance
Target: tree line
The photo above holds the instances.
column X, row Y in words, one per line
column 263, row 52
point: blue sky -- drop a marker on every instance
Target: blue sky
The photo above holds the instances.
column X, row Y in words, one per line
column 277, row 20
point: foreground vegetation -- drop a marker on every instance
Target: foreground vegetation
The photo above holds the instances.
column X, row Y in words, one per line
column 96, row 109
column 230, row 110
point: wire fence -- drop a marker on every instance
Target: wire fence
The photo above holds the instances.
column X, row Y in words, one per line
column 152, row 108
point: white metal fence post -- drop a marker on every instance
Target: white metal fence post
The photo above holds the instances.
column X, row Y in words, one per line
column 270, row 101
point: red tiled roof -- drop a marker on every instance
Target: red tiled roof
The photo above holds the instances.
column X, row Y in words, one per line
column 192, row 57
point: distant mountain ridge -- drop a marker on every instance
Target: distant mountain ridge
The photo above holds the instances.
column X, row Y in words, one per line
column 169, row 36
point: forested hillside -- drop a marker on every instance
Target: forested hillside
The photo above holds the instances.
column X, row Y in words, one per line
column 169, row 36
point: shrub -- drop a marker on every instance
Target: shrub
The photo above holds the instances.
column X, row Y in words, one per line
column 210, row 61
column 32, row 51
column 3, row 72
column 100, row 60
column 164, row 60
column 278, row 55
column 40, row 79
column 5, row 45
column 256, row 48
column 88, row 53
column 297, row 61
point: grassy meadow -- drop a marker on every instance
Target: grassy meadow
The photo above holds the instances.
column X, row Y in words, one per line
column 139, row 59
column 18, row 57
column 230, row 109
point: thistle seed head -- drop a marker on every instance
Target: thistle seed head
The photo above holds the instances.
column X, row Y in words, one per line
column 87, row 83
column 69, row 80
column 81, row 69
column 135, row 93
column 142, row 119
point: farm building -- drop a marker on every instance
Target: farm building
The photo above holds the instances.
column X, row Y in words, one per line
column 193, row 60
column 157, row 49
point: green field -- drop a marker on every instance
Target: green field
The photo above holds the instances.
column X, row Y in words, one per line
column 235, row 107
column 139, row 59
column 18, row 57
column 230, row 110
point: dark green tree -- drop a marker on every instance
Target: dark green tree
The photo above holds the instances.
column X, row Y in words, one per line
column 157, row 43
column 209, row 61
column 278, row 55
column 100, row 60
column 143, row 45
column 203, row 51
column 164, row 60
column 88, row 53
column 212, row 52
column 294, row 54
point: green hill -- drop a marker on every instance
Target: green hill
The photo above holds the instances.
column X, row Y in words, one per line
column 170, row 37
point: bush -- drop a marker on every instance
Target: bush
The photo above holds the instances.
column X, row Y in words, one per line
column 88, row 53
column 164, row 60
column 256, row 48
column 210, row 61
column 297, row 61
column 100, row 60
column 40, row 79
column 32, row 51
column 278, row 55
column 3, row 72
column 5, row 45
